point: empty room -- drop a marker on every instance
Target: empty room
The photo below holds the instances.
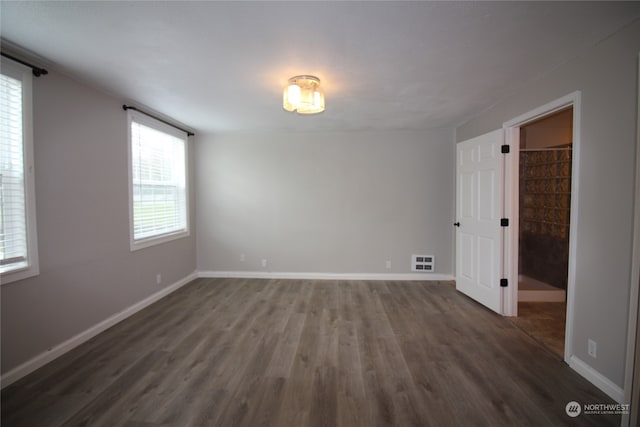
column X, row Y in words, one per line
column 376, row 213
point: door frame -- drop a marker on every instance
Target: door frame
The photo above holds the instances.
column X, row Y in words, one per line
column 632, row 363
column 512, row 206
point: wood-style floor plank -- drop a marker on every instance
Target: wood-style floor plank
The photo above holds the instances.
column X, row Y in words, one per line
column 253, row 352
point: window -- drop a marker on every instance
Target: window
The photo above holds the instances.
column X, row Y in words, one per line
column 18, row 242
column 158, row 182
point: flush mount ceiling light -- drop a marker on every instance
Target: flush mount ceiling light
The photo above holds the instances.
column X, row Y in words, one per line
column 303, row 95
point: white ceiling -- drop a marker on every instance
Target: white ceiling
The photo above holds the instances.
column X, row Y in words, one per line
column 221, row 66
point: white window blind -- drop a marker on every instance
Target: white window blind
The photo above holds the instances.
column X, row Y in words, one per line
column 18, row 240
column 158, row 183
column 13, row 218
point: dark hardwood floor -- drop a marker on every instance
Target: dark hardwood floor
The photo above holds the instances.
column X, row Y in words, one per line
column 250, row 352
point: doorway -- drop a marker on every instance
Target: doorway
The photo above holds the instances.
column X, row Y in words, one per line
column 541, row 195
column 544, row 205
column 488, row 211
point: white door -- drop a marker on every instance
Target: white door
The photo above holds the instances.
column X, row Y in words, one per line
column 478, row 210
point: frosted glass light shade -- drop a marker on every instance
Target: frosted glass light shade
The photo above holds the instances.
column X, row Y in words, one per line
column 303, row 95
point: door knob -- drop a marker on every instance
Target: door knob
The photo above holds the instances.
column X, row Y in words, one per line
column 457, row 224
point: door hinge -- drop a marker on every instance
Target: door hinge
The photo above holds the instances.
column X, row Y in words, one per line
column 504, row 222
column 505, row 149
column 504, row 283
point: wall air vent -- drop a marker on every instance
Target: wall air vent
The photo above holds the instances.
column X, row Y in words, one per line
column 423, row 263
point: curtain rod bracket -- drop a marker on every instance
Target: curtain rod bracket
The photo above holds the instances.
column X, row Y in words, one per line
column 126, row 107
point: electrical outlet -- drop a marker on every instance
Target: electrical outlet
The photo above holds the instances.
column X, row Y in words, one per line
column 158, row 279
column 592, row 348
column 264, row 263
column 388, row 265
column 242, row 258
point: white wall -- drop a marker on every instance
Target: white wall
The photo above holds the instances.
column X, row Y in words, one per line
column 87, row 272
column 325, row 202
column 606, row 75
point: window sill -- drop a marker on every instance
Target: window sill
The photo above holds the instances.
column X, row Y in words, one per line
column 158, row 240
column 19, row 273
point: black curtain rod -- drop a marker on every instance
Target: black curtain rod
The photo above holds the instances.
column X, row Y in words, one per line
column 37, row 71
column 129, row 107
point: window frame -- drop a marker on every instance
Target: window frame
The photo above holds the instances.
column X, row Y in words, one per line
column 32, row 268
column 135, row 116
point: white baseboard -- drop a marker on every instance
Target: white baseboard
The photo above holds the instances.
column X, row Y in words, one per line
column 324, row 276
column 43, row 358
column 596, row 378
